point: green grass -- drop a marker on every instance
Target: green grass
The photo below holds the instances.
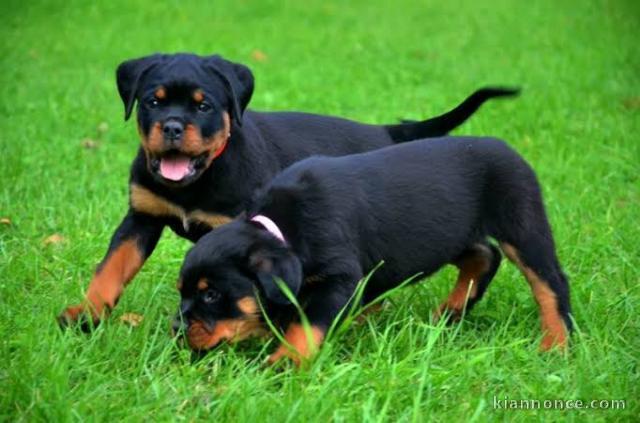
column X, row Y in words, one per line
column 577, row 122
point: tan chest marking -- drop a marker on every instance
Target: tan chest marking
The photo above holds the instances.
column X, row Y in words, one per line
column 145, row 201
column 212, row 219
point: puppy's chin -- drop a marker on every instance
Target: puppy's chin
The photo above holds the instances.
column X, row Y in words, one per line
column 202, row 338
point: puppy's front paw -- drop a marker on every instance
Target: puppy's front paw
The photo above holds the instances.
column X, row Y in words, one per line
column 554, row 341
column 81, row 315
column 446, row 313
column 299, row 348
column 284, row 353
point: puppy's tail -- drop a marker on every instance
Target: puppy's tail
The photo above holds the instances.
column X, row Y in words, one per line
column 443, row 124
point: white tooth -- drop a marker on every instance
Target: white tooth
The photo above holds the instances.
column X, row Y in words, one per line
column 185, row 223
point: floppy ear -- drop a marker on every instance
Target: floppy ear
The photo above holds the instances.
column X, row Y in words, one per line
column 238, row 83
column 272, row 265
column 128, row 76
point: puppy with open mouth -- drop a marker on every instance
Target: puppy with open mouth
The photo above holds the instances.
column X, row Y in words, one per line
column 416, row 207
column 203, row 153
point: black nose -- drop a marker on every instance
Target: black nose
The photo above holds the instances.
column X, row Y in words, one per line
column 173, row 130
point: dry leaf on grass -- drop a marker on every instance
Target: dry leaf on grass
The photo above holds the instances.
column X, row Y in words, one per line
column 259, row 56
column 632, row 103
column 103, row 127
column 90, row 144
column 5, row 221
column 54, row 239
column 132, row 319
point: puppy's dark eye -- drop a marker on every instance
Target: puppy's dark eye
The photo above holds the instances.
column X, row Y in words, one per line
column 153, row 103
column 210, row 296
column 204, row 107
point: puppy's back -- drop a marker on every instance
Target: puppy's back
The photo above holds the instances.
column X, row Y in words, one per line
column 415, row 198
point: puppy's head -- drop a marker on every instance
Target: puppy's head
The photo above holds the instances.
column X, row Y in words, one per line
column 221, row 277
column 187, row 105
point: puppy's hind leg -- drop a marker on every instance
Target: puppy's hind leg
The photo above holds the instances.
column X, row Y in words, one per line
column 526, row 239
column 478, row 265
column 536, row 259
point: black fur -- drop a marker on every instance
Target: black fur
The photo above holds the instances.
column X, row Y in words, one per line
column 416, row 206
column 267, row 141
column 260, row 144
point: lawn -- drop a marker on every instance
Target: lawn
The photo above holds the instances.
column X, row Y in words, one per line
column 65, row 157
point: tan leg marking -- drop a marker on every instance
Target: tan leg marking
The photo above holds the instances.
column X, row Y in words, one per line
column 472, row 267
column 109, row 281
column 300, row 348
column 555, row 333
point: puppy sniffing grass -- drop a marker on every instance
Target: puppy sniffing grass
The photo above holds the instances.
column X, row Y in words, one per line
column 417, row 206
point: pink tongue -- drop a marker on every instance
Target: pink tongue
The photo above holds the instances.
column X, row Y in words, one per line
column 174, row 168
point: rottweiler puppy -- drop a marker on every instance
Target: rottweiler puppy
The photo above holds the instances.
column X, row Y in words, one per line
column 416, row 207
column 203, row 153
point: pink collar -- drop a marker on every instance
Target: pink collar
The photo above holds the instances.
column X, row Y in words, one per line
column 269, row 225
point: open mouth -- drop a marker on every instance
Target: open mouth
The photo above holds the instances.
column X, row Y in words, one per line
column 178, row 167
